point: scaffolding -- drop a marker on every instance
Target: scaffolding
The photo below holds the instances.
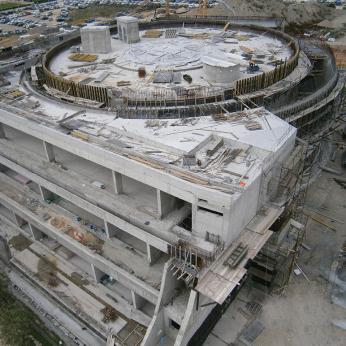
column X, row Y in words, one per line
column 282, row 250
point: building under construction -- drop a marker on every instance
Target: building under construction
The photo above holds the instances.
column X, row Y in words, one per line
column 148, row 169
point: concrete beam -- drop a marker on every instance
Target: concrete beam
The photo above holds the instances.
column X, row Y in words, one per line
column 165, row 203
column 49, row 151
column 35, row 232
column 137, row 301
column 2, row 131
column 118, row 182
column 153, row 254
column 119, row 274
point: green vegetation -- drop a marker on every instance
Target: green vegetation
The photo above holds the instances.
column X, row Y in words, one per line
column 81, row 15
column 19, row 326
column 10, row 5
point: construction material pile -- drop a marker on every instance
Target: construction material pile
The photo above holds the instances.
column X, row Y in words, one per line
column 47, row 272
column 109, row 314
column 82, row 236
column 83, row 57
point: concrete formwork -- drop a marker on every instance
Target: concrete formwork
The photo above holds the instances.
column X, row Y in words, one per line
column 242, row 86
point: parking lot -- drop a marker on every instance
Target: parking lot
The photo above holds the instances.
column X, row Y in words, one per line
column 26, row 23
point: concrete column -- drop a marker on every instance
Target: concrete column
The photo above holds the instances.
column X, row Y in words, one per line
column 5, row 252
column 106, row 229
column 111, row 230
column 153, row 254
column 45, row 194
column 19, row 220
column 194, row 218
column 97, row 273
column 118, row 182
column 48, row 149
column 137, row 300
column 165, row 203
column 2, row 131
column 35, row 232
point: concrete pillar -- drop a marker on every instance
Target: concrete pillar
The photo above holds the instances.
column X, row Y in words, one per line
column 19, row 220
column 106, row 229
column 137, row 301
column 111, row 230
column 5, row 252
column 35, row 232
column 48, row 150
column 118, row 182
column 2, row 131
column 194, row 218
column 153, row 254
column 45, row 194
column 165, row 203
column 97, row 273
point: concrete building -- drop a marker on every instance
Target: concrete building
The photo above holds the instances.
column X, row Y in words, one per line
column 156, row 231
column 128, row 29
column 96, row 39
column 135, row 207
column 219, row 71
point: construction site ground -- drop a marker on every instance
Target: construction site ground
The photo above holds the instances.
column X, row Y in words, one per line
column 303, row 312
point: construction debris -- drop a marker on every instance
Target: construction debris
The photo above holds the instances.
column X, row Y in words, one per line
column 83, row 57
column 47, row 271
column 109, row 314
column 319, row 219
column 123, row 83
column 253, row 125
